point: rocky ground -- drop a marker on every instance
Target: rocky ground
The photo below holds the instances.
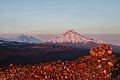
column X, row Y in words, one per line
column 101, row 64
column 116, row 70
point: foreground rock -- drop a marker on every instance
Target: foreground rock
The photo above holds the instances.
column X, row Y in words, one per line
column 99, row 65
column 116, row 70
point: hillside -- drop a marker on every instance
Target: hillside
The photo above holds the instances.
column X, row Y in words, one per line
column 99, row 65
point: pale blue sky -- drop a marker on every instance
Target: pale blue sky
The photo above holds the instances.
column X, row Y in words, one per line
column 55, row 16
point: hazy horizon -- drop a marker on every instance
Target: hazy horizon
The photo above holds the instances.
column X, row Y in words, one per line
column 108, row 38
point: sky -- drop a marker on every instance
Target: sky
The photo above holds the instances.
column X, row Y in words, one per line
column 55, row 16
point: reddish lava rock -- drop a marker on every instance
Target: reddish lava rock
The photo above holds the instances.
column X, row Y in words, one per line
column 101, row 50
column 11, row 65
column 82, row 65
column 96, row 66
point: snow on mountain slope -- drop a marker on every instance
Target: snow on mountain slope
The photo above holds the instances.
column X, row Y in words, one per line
column 71, row 37
column 3, row 39
column 26, row 39
column 99, row 42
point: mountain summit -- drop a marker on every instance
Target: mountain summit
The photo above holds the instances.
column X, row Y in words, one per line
column 26, row 39
column 70, row 37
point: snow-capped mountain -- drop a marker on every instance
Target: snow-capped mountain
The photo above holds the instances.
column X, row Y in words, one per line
column 3, row 39
column 72, row 37
column 100, row 42
column 26, row 39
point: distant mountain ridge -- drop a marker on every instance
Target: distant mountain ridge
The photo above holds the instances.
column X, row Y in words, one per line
column 71, row 36
column 75, row 40
column 22, row 38
column 26, row 39
column 3, row 39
